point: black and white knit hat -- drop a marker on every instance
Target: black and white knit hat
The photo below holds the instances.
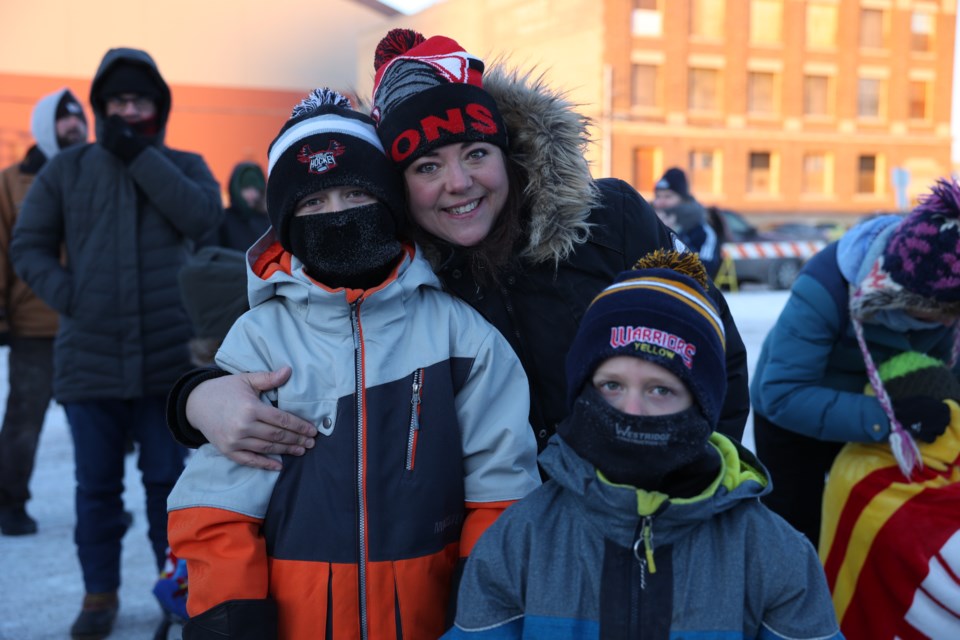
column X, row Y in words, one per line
column 428, row 93
column 658, row 312
column 327, row 144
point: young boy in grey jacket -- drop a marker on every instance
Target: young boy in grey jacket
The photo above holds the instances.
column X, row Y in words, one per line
column 651, row 525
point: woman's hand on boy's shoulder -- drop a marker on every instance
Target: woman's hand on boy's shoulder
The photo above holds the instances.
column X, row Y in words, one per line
column 229, row 412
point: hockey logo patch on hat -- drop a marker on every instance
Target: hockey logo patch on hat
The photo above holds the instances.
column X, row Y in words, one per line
column 321, row 161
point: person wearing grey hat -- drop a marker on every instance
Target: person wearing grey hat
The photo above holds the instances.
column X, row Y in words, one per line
column 27, row 324
column 124, row 211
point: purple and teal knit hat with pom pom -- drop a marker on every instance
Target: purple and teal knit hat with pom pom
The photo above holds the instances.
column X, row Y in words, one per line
column 918, row 271
column 923, row 254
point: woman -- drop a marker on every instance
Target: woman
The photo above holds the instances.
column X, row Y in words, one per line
column 502, row 203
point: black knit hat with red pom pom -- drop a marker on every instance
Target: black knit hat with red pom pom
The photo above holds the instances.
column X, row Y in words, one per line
column 428, row 93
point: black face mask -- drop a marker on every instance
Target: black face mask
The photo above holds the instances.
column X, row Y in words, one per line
column 354, row 248
column 655, row 453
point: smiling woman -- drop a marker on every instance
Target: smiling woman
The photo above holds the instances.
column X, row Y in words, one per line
column 502, row 204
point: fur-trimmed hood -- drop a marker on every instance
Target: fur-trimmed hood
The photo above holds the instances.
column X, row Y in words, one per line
column 547, row 138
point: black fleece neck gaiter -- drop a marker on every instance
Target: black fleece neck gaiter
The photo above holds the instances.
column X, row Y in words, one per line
column 354, row 248
column 653, row 453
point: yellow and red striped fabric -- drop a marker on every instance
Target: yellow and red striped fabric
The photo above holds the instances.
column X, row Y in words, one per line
column 891, row 547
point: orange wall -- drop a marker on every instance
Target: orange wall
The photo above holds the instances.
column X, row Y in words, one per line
column 224, row 125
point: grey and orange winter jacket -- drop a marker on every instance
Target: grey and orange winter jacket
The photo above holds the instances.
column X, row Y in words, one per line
column 422, row 411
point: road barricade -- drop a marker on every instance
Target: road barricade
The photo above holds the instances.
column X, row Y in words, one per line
column 803, row 249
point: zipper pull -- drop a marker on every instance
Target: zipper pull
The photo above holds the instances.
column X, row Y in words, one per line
column 355, row 322
column 648, row 543
column 415, row 403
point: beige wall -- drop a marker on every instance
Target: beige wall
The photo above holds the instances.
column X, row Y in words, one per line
column 283, row 44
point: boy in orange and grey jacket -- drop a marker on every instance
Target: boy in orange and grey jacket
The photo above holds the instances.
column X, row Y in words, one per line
column 421, row 407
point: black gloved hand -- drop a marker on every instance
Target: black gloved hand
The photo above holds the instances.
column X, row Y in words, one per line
column 924, row 417
column 121, row 140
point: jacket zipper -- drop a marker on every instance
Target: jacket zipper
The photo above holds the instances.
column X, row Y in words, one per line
column 646, row 564
column 414, row 418
column 646, row 560
column 361, row 496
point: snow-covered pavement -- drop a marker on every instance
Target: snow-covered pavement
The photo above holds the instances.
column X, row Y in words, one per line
column 40, row 584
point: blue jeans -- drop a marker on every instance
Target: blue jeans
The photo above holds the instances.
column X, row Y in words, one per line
column 100, row 429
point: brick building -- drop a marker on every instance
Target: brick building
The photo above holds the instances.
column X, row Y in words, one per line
column 791, row 107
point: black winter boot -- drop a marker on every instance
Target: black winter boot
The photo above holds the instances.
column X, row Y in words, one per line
column 14, row 521
column 95, row 621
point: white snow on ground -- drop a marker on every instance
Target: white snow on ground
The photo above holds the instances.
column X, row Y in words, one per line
column 40, row 583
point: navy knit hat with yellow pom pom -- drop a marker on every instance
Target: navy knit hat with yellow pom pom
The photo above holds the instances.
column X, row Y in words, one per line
column 659, row 312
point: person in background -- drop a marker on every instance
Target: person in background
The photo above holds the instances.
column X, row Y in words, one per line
column 100, row 238
column 245, row 220
column 422, row 408
column 27, row 324
column 680, row 211
column 650, row 525
column 503, row 205
column 890, row 285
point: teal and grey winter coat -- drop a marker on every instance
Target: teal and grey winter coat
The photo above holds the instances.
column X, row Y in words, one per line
column 810, row 375
column 581, row 558
column 126, row 231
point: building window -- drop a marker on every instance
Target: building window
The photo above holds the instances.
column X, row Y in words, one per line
column 869, row 92
column 766, row 22
column 647, row 20
column 814, row 173
column 816, row 95
column 760, row 92
column 821, row 29
column 866, row 174
column 921, row 32
column 706, row 19
column 872, row 34
column 919, row 93
column 643, row 166
column 704, row 89
column 703, row 172
column 759, row 175
column 644, row 88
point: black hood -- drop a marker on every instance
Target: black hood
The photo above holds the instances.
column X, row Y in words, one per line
column 123, row 55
